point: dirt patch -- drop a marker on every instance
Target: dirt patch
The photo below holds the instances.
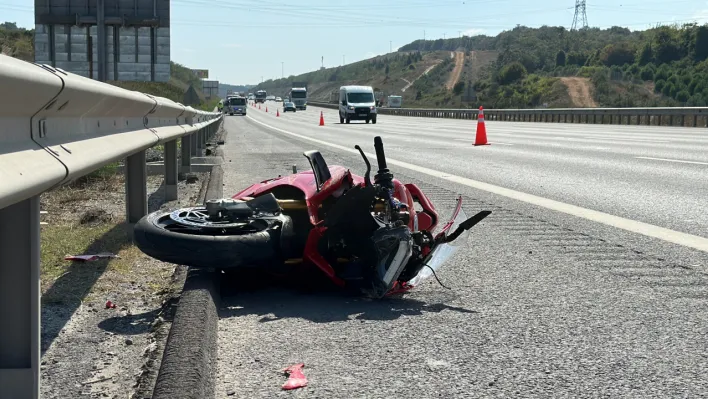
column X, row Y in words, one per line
column 89, row 350
column 580, row 91
column 457, row 71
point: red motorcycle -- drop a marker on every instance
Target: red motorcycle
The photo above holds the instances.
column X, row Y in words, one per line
column 364, row 236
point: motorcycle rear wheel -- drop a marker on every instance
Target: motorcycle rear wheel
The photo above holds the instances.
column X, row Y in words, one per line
column 186, row 237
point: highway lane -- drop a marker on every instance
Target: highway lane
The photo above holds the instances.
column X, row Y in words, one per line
column 655, row 175
column 535, row 309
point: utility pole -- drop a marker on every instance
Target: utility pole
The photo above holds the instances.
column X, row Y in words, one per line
column 343, row 60
column 580, row 17
column 444, row 35
column 282, row 69
column 460, row 32
column 390, row 46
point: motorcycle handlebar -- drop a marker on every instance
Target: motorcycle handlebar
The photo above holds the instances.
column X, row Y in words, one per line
column 380, row 155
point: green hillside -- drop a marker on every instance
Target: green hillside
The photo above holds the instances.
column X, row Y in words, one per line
column 534, row 67
column 408, row 74
column 16, row 42
column 665, row 66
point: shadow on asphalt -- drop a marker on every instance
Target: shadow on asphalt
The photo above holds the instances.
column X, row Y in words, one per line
column 141, row 323
column 312, row 298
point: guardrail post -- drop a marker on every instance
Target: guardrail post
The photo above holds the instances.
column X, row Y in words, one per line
column 202, row 139
column 186, row 153
column 193, row 143
column 135, row 187
column 171, row 170
column 20, row 300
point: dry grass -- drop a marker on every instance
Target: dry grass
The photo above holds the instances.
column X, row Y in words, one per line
column 84, row 217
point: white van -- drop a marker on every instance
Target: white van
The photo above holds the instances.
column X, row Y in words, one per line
column 357, row 103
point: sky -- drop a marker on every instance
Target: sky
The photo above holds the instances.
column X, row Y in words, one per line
column 245, row 41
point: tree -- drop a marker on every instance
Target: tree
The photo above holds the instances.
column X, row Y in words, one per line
column 667, row 89
column 576, row 58
column 560, row 59
column 458, row 88
column 666, row 45
column 512, row 73
column 659, row 86
column 646, row 73
column 696, row 101
column 682, row 96
column 387, row 69
column 617, row 54
column 701, row 46
column 645, row 55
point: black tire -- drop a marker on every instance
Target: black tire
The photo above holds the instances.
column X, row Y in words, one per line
column 367, row 121
column 263, row 248
column 341, row 119
column 373, row 120
column 348, row 120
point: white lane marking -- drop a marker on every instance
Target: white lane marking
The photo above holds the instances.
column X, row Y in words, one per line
column 637, row 140
column 649, row 230
column 673, row 160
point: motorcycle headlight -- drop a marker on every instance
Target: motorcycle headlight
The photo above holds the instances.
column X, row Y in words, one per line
column 394, row 249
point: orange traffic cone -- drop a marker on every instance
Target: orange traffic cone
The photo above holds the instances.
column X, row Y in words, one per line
column 266, row 108
column 277, row 112
column 481, row 138
column 321, row 119
column 259, row 106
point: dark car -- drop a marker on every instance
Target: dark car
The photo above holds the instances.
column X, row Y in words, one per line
column 289, row 106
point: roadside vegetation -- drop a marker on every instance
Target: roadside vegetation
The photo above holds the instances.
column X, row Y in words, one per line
column 664, row 66
column 535, row 67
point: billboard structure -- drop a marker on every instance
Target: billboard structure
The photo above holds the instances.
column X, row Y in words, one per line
column 210, row 88
column 105, row 40
column 201, row 73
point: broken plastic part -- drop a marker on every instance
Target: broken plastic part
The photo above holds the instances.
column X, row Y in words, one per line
column 296, row 379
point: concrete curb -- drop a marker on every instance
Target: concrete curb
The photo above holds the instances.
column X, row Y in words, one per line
column 188, row 369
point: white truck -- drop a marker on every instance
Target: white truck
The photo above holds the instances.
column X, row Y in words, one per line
column 395, row 101
column 298, row 95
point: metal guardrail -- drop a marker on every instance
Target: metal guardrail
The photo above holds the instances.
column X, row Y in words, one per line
column 55, row 127
column 660, row 116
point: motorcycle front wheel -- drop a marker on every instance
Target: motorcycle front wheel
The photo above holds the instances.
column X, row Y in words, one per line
column 187, row 237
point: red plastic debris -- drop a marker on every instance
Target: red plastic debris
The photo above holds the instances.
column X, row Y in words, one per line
column 110, row 305
column 296, row 379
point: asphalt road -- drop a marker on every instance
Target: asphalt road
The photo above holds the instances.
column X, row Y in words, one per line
column 542, row 303
column 630, row 171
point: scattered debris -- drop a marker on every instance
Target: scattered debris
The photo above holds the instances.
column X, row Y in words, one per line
column 296, row 379
column 90, row 258
column 231, row 393
column 110, row 305
column 128, row 341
